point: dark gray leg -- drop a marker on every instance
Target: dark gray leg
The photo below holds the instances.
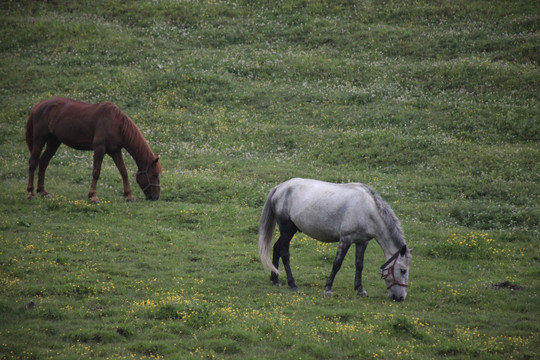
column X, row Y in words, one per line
column 342, row 249
column 360, row 251
column 281, row 250
column 275, row 260
column 285, row 257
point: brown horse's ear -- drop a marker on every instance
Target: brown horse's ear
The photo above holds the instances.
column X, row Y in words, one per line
column 156, row 158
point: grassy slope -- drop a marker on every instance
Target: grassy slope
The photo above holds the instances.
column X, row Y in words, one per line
column 433, row 104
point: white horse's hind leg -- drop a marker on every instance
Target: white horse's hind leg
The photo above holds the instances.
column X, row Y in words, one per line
column 281, row 250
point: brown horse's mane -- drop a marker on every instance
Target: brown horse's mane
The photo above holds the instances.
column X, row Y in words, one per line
column 134, row 141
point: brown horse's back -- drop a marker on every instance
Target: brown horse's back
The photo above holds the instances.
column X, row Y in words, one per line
column 74, row 123
column 30, row 133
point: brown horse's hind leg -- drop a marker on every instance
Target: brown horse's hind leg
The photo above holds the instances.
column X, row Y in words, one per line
column 119, row 161
column 50, row 150
column 33, row 164
column 99, row 153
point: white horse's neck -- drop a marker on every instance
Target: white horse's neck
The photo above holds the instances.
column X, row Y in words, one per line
column 388, row 245
column 389, row 249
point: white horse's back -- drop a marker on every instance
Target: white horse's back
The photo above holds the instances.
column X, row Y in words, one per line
column 328, row 211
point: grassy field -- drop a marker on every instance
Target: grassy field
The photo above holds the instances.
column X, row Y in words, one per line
column 433, row 103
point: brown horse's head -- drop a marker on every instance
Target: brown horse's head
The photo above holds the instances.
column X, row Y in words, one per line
column 148, row 179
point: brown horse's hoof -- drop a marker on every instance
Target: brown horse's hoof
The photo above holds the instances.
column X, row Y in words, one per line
column 130, row 198
column 95, row 200
column 31, row 196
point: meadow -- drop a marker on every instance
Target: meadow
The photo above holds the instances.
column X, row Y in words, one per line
column 435, row 104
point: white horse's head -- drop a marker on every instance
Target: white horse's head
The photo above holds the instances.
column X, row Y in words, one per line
column 395, row 273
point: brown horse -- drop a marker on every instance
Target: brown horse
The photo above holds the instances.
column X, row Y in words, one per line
column 103, row 128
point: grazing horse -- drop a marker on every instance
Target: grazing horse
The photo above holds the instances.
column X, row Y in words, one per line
column 344, row 213
column 102, row 128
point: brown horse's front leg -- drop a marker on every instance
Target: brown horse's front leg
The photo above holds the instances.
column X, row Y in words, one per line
column 119, row 161
column 99, row 153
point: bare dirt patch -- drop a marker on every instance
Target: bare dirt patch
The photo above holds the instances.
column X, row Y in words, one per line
column 506, row 285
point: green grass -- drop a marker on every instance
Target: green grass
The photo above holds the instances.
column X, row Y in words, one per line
column 434, row 104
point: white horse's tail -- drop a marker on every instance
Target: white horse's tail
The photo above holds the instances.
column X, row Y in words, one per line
column 267, row 225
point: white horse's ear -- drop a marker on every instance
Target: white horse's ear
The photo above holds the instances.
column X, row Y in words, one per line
column 380, row 271
column 403, row 250
column 410, row 251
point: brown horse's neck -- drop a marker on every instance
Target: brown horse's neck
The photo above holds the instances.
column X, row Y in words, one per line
column 136, row 145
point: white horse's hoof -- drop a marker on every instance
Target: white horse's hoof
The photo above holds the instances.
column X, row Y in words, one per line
column 328, row 293
column 362, row 293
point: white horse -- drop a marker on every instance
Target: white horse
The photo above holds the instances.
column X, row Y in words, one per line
column 345, row 213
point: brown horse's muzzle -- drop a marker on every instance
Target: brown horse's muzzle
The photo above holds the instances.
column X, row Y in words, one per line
column 152, row 196
column 151, row 190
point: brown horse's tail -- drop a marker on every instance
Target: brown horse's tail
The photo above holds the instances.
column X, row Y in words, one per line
column 40, row 112
column 30, row 131
column 266, row 232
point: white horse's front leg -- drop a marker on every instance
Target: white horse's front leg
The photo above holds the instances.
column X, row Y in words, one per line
column 342, row 249
column 360, row 251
